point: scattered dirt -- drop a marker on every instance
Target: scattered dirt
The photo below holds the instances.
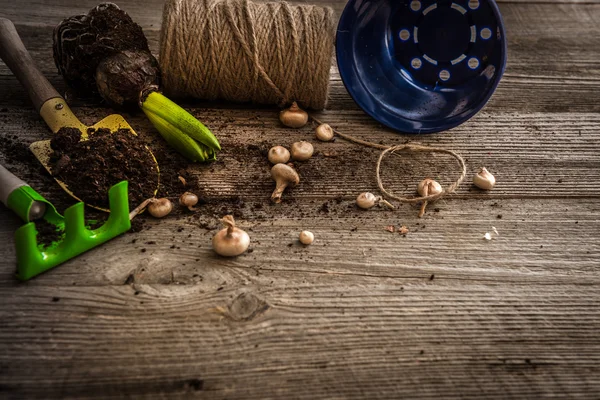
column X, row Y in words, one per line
column 247, row 196
column 90, row 167
column 172, row 166
column 16, row 151
column 137, row 225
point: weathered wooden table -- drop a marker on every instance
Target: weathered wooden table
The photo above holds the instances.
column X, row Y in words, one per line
column 362, row 313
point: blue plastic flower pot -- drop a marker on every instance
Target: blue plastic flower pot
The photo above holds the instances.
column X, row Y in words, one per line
column 421, row 66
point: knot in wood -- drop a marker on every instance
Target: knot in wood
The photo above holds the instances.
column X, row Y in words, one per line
column 246, row 307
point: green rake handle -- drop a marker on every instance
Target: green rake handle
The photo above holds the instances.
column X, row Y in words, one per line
column 33, row 259
column 22, row 199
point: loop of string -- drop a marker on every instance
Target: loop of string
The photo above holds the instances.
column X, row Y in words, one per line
column 408, row 147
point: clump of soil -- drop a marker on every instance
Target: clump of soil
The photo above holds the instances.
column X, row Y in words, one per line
column 90, row 167
column 81, row 42
column 47, row 233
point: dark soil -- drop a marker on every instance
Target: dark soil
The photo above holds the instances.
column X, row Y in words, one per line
column 172, row 166
column 18, row 159
column 81, row 42
column 90, row 167
column 174, row 177
column 47, row 233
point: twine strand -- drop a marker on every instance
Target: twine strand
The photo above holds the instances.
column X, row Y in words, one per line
column 419, row 148
column 236, row 50
column 410, row 147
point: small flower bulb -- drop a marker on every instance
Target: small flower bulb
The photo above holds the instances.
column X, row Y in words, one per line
column 484, row 179
column 428, row 187
column 230, row 241
column 159, row 208
column 189, row 200
column 366, row 200
column 306, row 237
column 293, row 117
column 278, row 155
column 324, row 133
column 301, row 151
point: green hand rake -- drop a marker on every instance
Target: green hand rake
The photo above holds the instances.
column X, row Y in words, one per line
column 34, row 258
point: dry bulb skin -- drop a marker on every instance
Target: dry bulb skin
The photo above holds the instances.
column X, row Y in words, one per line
column 306, row 237
column 122, row 77
column 302, row 151
column 293, row 117
column 160, row 208
column 189, row 200
column 230, row 241
column 427, row 187
column 324, row 133
column 279, row 154
column 367, row 200
column 284, row 176
column 484, row 179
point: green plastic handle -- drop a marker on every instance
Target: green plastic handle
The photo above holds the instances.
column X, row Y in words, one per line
column 33, row 259
column 22, row 199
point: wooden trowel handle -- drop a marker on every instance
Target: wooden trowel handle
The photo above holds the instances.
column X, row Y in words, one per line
column 17, row 58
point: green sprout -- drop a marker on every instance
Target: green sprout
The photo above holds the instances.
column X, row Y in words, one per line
column 180, row 129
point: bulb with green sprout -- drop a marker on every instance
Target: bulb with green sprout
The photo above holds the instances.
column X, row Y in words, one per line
column 105, row 52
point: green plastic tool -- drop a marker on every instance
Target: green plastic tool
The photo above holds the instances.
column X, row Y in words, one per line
column 75, row 238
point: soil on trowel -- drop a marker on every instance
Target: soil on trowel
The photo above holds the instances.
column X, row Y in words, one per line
column 90, row 167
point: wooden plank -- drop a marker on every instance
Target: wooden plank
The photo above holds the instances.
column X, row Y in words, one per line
column 559, row 15
column 268, row 339
column 362, row 313
column 532, row 155
column 516, row 93
column 546, row 50
column 149, row 13
column 520, row 149
column 540, row 243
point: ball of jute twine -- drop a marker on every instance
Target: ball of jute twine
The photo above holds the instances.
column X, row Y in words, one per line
column 236, row 50
column 407, row 147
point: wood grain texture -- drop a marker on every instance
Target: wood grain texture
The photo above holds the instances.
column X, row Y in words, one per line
column 18, row 59
column 542, row 242
column 552, row 66
column 564, row 149
column 361, row 313
column 311, row 339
